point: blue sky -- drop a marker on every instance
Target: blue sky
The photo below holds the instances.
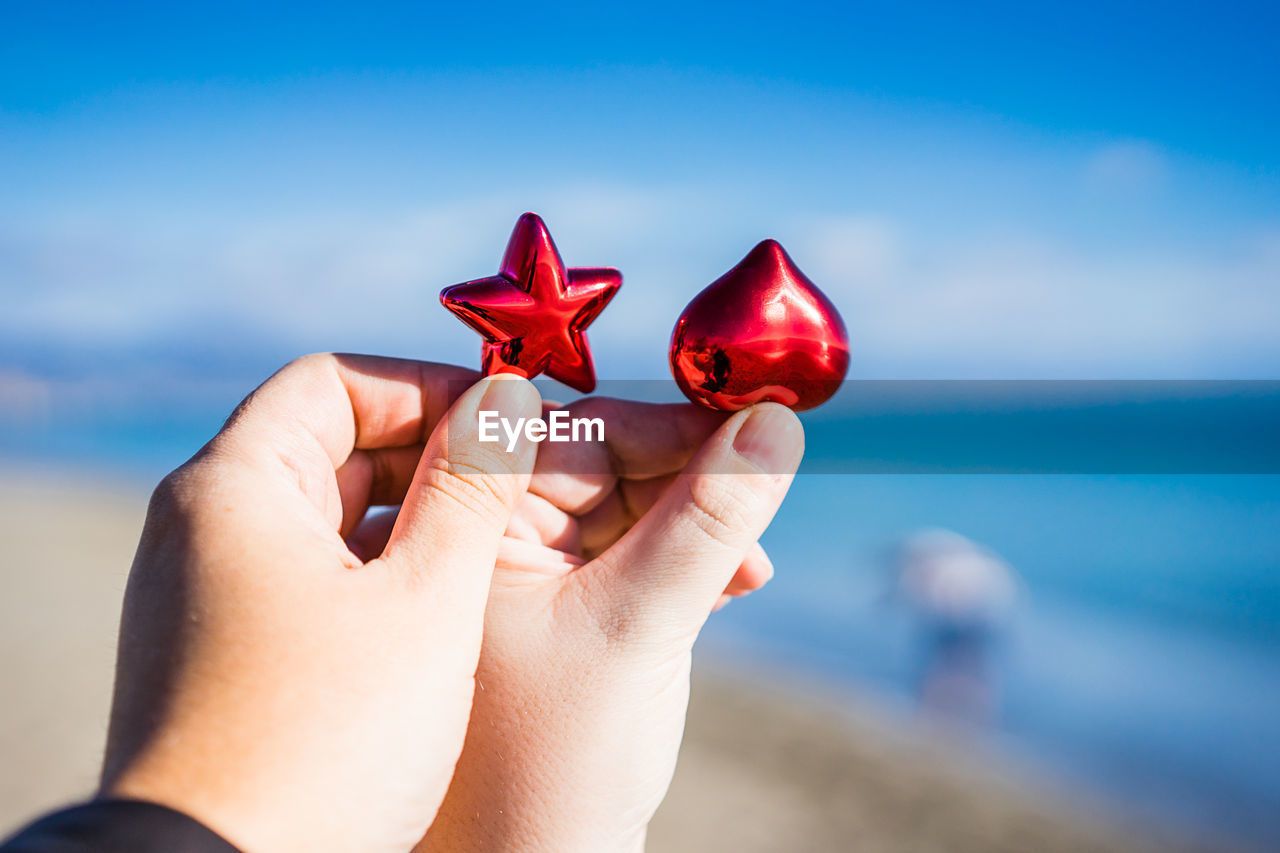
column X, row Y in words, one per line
column 190, row 193
column 1199, row 76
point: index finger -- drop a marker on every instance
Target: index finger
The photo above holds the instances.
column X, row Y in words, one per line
column 345, row 402
column 641, row 441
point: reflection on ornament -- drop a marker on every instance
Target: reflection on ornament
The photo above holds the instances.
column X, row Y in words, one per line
column 761, row 332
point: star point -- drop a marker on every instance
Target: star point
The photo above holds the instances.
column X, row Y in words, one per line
column 534, row 313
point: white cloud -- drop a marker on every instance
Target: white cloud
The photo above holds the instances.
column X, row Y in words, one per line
column 858, row 249
column 917, row 304
column 1018, row 307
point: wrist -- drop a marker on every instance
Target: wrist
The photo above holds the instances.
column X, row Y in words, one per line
column 155, row 786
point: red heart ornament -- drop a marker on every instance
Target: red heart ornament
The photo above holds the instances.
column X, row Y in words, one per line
column 762, row 331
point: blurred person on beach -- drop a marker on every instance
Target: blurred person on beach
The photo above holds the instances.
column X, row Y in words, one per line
column 962, row 596
column 298, row 671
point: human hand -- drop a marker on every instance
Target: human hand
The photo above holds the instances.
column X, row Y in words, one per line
column 272, row 683
column 610, row 567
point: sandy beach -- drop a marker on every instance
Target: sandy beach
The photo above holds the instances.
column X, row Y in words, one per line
column 767, row 765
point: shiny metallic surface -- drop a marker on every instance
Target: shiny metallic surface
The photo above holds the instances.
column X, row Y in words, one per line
column 534, row 313
column 761, row 332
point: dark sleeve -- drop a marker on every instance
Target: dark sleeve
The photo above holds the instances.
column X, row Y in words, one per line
column 117, row 826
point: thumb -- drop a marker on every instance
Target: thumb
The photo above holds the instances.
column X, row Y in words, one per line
column 464, row 491
column 668, row 571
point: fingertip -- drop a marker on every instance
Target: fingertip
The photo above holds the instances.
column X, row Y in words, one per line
column 510, row 395
column 488, row 426
column 756, row 571
column 757, row 568
column 771, row 438
column 758, row 557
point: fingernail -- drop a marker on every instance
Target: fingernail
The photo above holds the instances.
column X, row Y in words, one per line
column 506, row 392
column 771, row 438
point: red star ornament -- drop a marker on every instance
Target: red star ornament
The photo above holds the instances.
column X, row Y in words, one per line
column 534, row 313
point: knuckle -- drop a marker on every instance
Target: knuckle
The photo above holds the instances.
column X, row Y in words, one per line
column 476, row 488
column 170, row 492
column 721, row 507
column 180, row 499
column 616, row 623
column 627, row 622
column 184, row 486
column 304, row 371
column 304, row 368
column 472, row 460
column 311, row 363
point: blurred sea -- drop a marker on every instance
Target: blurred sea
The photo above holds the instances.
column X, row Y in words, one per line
column 1143, row 664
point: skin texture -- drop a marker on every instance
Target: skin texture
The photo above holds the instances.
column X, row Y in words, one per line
column 271, row 682
column 298, row 673
column 609, row 570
